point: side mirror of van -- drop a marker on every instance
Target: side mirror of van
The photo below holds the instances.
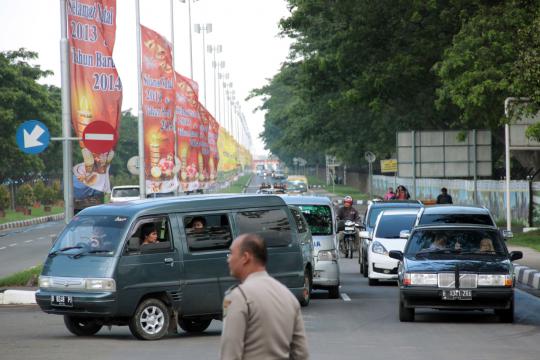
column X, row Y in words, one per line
column 396, row 254
column 404, row 234
column 516, row 255
column 340, row 225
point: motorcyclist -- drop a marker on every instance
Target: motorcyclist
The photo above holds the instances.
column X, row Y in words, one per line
column 348, row 212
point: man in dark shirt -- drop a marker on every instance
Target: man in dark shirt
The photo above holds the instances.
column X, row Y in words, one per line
column 348, row 212
column 443, row 197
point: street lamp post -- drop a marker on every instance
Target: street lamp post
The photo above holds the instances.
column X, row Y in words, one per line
column 190, row 41
column 204, row 29
column 220, row 77
column 213, row 49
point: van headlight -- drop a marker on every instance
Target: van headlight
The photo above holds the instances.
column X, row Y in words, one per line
column 494, row 280
column 420, row 279
column 327, row 255
column 44, row 281
column 378, row 248
column 100, row 284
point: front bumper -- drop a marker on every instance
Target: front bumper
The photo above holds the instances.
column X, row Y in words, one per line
column 482, row 298
column 326, row 274
column 382, row 267
column 84, row 303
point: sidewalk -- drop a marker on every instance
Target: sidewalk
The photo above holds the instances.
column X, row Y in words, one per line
column 34, row 221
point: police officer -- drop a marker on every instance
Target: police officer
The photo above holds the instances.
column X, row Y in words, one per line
column 261, row 317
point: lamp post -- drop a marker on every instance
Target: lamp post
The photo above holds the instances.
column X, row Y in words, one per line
column 220, row 77
column 213, row 49
column 190, row 41
column 204, row 29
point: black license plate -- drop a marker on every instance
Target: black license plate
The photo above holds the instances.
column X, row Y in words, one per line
column 457, row 294
column 62, row 300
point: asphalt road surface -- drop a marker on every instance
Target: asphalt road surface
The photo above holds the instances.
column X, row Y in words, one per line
column 366, row 326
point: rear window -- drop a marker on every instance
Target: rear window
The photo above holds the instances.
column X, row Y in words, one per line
column 319, row 218
column 390, row 225
column 478, row 219
column 272, row 225
column 131, row 192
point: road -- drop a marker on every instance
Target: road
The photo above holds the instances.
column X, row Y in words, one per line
column 367, row 326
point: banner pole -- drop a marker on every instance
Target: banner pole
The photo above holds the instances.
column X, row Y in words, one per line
column 66, row 116
column 140, row 124
column 174, row 75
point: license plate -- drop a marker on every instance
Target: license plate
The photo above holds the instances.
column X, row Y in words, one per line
column 457, row 294
column 62, row 300
column 349, row 228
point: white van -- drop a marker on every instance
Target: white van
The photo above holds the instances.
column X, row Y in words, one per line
column 125, row 193
column 319, row 213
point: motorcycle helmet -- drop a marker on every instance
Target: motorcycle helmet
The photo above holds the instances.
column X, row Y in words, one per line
column 348, row 200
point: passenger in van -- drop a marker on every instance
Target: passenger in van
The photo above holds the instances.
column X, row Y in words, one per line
column 486, row 245
column 439, row 243
column 148, row 234
column 198, row 223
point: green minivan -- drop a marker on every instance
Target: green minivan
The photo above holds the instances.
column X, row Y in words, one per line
column 101, row 271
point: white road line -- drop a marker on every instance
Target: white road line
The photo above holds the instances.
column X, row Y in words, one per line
column 345, row 297
column 28, row 241
column 12, row 245
column 2, row 248
column 41, row 237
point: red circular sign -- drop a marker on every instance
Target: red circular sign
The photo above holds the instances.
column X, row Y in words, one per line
column 99, row 137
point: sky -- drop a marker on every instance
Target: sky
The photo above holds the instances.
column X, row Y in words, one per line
column 247, row 30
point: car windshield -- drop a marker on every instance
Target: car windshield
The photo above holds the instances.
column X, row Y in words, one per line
column 480, row 219
column 95, row 235
column 128, row 192
column 296, row 185
column 390, row 226
column 462, row 241
column 319, row 218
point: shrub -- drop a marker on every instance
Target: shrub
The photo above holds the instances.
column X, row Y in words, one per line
column 57, row 190
column 25, row 195
column 39, row 190
column 4, row 198
column 48, row 197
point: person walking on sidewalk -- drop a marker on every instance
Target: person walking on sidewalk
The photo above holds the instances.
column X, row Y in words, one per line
column 261, row 317
column 390, row 194
column 443, row 197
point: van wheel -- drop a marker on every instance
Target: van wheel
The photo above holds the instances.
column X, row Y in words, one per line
column 333, row 292
column 306, row 291
column 81, row 326
column 151, row 320
column 194, row 325
column 506, row 315
column 405, row 314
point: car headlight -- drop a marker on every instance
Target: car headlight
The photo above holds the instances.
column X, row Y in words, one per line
column 327, row 255
column 44, row 281
column 378, row 248
column 494, row 280
column 420, row 279
column 100, row 284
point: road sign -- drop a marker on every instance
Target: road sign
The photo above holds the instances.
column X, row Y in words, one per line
column 33, row 137
column 369, row 156
column 99, row 137
column 133, row 165
column 389, row 166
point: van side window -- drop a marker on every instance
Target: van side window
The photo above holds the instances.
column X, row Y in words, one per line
column 207, row 232
column 151, row 235
column 272, row 225
column 300, row 222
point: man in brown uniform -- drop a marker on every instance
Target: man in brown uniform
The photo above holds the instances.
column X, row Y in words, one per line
column 261, row 317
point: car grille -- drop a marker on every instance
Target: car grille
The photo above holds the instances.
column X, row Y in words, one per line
column 466, row 281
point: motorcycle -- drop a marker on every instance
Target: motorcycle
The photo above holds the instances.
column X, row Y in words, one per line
column 348, row 244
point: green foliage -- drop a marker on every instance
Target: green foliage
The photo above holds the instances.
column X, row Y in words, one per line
column 39, row 190
column 25, row 195
column 4, row 197
column 529, row 239
column 57, row 190
column 48, row 197
column 23, row 278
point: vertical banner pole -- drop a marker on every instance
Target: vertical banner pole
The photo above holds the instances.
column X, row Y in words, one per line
column 140, row 127
column 507, row 161
column 203, row 30
column 413, row 133
column 174, row 66
column 66, row 116
column 190, row 41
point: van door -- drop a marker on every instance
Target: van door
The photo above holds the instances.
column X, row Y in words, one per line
column 148, row 268
column 304, row 236
column 207, row 238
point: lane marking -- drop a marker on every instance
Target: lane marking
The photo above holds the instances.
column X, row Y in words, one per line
column 41, row 237
column 28, row 241
column 345, row 297
column 2, row 248
column 12, row 245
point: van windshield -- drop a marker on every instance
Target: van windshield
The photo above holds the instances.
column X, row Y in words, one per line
column 319, row 218
column 126, row 192
column 296, row 186
column 91, row 235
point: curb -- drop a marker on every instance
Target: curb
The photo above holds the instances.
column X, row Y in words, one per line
column 18, row 297
column 527, row 276
column 34, row 221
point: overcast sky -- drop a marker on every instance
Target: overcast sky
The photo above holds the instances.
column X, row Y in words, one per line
column 247, row 30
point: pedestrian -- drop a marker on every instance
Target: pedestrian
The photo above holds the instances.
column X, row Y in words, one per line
column 402, row 193
column 443, row 197
column 390, row 194
column 261, row 317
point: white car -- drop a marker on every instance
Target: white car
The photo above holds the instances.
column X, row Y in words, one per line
column 125, row 193
column 390, row 233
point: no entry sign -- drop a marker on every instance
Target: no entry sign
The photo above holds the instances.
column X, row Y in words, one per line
column 99, row 137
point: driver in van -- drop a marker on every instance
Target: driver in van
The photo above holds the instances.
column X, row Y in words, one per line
column 97, row 238
column 149, row 234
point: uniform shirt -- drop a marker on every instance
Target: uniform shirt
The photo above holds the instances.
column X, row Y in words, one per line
column 349, row 213
column 262, row 320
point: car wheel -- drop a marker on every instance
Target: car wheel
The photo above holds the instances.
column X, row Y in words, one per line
column 333, row 292
column 81, row 326
column 506, row 315
column 365, row 266
column 194, row 325
column 306, row 291
column 151, row 320
column 405, row 314
column 361, row 267
column 373, row 282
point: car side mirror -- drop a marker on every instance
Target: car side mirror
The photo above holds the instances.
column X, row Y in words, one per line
column 364, row 234
column 404, row 234
column 507, row 234
column 396, row 254
column 516, row 255
column 340, row 225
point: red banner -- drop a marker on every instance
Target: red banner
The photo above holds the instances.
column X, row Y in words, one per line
column 213, row 161
column 158, row 110
column 204, row 152
column 96, row 89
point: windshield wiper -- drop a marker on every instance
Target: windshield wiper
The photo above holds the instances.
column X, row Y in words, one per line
column 96, row 251
column 54, row 253
column 434, row 251
column 481, row 252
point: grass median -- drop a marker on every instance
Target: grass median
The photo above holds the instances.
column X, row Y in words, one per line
column 239, row 185
column 12, row 215
column 529, row 239
column 339, row 190
column 26, row 277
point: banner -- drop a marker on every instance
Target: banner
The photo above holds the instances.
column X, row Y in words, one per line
column 187, row 118
column 228, row 151
column 158, row 92
column 204, row 146
column 213, row 161
column 96, row 89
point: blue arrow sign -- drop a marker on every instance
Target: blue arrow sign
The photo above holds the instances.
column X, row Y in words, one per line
column 33, row 137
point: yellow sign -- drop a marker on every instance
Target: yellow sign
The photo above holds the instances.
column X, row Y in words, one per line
column 389, row 165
